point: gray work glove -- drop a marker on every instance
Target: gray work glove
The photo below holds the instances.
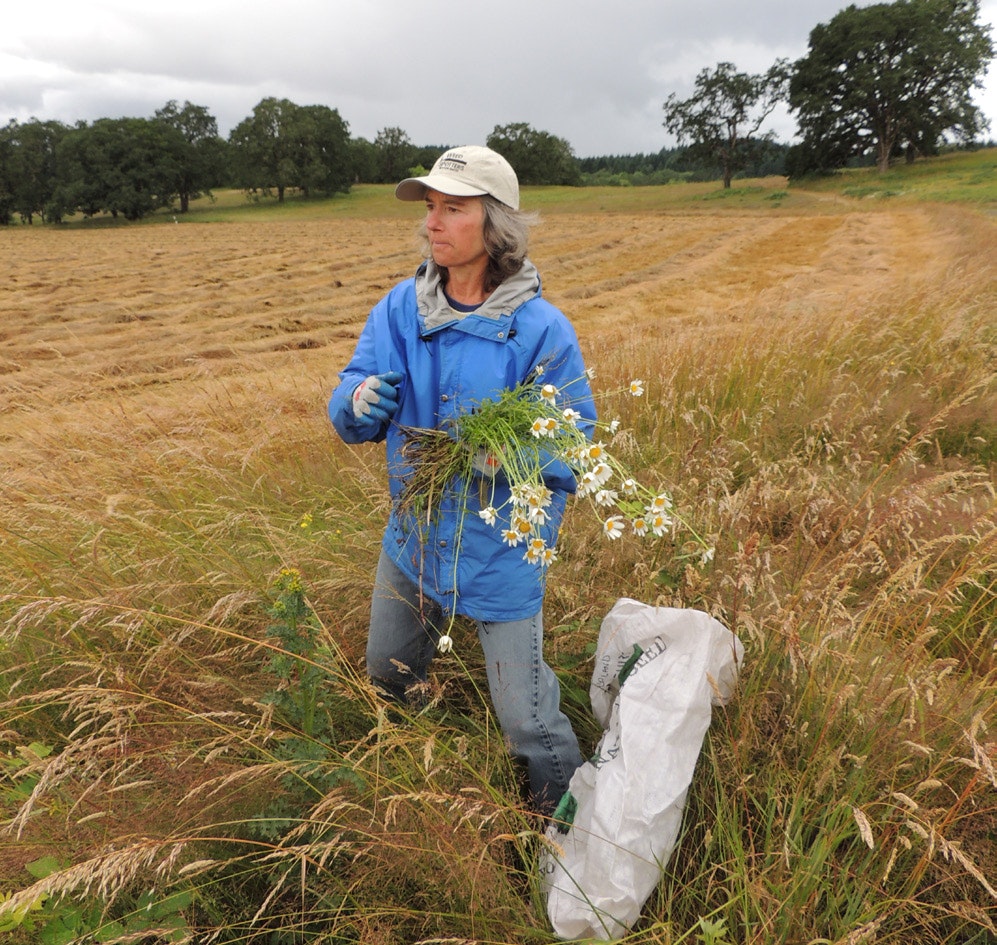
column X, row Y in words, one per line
column 376, row 397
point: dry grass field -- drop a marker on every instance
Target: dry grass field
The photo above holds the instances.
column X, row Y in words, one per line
column 820, row 396
column 99, row 322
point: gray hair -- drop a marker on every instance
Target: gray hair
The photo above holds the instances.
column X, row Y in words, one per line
column 506, row 235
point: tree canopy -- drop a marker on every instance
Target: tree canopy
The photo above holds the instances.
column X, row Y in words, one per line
column 202, row 160
column 283, row 145
column 126, row 166
column 889, row 76
column 121, row 166
column 395, row 154
column 722, row 119
column 538, row 157
column 28, row 173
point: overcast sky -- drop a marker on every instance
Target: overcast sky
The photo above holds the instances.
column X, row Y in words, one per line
column 445, row 71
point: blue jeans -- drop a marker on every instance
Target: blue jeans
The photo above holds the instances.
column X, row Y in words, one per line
column 524, row 690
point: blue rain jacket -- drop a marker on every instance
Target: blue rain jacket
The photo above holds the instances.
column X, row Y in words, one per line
column 451, row 362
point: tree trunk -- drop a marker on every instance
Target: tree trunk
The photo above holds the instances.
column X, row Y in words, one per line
column 884, row 148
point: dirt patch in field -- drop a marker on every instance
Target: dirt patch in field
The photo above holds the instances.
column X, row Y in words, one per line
column 94, row 317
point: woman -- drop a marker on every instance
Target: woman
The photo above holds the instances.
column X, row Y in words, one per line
column 471, row 323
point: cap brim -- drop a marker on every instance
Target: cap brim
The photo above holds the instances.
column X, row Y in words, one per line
column 414, row 188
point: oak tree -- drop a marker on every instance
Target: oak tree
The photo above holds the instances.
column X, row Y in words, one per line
column 122, row 166
column 202, row 160
column 721, row 121
column 395, row 155
column 538, row 157
column 283, row 145
column 890, row 76
column 28, row 167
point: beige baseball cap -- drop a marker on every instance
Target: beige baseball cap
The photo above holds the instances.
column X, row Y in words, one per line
column 468, row 171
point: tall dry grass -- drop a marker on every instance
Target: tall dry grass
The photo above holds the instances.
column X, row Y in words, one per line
column 191, row 752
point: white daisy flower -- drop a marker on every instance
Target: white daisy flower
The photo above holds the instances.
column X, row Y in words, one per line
column 639, row 525
column 612, row 528
column 445, row 643
column 606, row 497
column 544, row 426
column 521, row 525
column 539, row 497
column 603, row 472
column 587, row 484
column 535, row 550
column 660, row 523
column 637, row 387
column 538, row 515
column 520, row 494
column 661, row 503
column 571, row 417
column 489, row 515
column 549, row 393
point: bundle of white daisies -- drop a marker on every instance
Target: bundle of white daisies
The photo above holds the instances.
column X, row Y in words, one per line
column 519, row 436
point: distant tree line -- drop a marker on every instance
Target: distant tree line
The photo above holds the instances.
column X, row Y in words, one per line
column 671, row 165
column 878, row 83
column 125, row 166
column 131, row 167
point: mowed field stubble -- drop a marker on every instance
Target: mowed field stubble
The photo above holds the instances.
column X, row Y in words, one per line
column 97, row 319
column 819, row 367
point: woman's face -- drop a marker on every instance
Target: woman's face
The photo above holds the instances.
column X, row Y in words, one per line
column 455, row 227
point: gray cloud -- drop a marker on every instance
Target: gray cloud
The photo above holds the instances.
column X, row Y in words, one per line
column 591, row 72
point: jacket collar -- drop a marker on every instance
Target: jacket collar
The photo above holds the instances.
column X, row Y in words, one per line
column 510, row 295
